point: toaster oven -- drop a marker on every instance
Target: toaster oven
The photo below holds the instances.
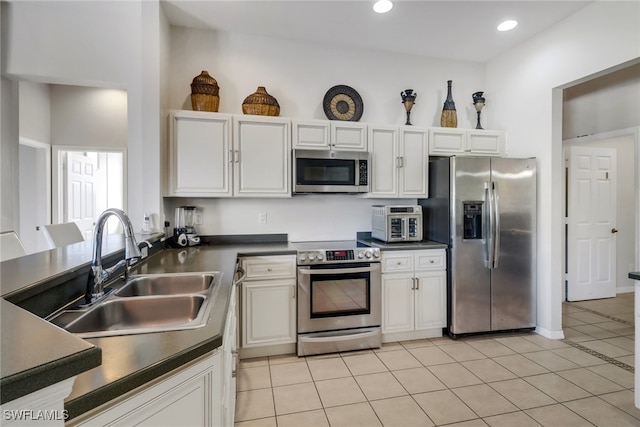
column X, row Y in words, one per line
column 396, row 223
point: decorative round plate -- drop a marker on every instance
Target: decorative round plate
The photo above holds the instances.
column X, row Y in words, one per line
column 342, row 103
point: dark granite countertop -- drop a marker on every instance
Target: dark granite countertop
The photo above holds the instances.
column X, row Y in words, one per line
column 128, row 361
column 402, row 246
column 634, row 275
column 44, row 354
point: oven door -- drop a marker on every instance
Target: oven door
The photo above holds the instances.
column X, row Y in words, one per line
column 340, row 296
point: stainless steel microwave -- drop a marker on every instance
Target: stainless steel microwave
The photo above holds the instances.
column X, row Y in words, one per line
column 329, row 171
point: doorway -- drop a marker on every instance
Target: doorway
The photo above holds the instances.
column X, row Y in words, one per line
column 85, row 184
column 600, row 245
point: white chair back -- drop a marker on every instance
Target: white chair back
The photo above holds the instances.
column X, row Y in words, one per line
column 62, row 234
column 10, row 246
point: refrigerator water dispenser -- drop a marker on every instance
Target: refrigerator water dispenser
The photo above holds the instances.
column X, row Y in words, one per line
column 472, row 214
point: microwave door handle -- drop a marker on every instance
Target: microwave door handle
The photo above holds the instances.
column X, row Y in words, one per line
column 308, row 271
column 404, row 228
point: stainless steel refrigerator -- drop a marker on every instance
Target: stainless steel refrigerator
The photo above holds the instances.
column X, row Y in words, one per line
column 484, row 208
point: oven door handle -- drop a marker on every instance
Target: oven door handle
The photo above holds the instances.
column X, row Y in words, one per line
column 308, row 271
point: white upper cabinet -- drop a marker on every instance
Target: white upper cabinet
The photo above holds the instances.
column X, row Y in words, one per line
column 311, row 134
column 326, row 134
column 477, row 142
column 218, row 155
column 199, row 152
column 414, row 154
column 400, row 159
column 262, row 157
column 350, row 136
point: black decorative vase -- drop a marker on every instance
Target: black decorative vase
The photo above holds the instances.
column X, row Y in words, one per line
column 449, row 117
column 478, row 102
column 408, row 99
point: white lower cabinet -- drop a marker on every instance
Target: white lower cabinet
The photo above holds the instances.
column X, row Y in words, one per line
column 268, row 305
column 189, row 396
column 413, row 294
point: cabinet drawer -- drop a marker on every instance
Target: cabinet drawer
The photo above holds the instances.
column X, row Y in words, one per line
column 269, row 266
column 431, row 260
column 397, row 261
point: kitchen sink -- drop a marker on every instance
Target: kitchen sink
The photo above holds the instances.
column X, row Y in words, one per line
column 144, row 304
column 163, row 284
column 140, row 314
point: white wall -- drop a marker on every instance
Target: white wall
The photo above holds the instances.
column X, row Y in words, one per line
column 298, row 75
column 600, row 36
column 303, row 217
column 98, row 44
column 35, row 111
column 604, row 104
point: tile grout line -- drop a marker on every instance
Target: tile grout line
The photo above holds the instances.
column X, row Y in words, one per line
column 593, row 352
column 615, row 319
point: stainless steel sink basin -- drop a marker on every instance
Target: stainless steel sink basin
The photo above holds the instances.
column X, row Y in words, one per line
column 146, row 303
column 171, row 284
column 140, row 314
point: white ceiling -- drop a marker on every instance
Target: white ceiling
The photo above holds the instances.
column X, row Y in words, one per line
column 459, row 30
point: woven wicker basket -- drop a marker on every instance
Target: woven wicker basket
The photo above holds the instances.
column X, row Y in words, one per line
column 204, row 93
column 261, row 103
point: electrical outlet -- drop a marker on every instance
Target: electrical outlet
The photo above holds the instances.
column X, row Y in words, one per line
column 197, row 218
column 262, row 218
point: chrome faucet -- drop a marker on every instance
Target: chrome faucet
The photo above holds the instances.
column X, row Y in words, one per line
column 98, row 275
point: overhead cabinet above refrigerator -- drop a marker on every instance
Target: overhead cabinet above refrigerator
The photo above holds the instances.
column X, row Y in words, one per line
column 484, row 208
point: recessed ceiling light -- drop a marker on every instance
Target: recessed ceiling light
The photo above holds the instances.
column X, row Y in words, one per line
column 507, row 25
column 382, row 6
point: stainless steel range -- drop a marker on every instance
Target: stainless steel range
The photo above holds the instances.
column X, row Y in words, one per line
column 339, row 297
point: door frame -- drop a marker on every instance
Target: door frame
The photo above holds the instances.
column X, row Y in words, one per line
column 57, row 176
column 47, row 150
column 635, row 134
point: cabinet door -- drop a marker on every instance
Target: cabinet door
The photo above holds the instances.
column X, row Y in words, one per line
column 190, row 397
column 229, row 360
column 413, row 171
column 446, row 141
column 430, row 300
column 348, row 136
column 199, row 154
column 262, row 157
column 383, row 146
column 486, row 142
column 397, row 302
column 311, row 134
column 268, row 312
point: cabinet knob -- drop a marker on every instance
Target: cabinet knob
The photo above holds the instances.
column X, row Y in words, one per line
column 431, row 261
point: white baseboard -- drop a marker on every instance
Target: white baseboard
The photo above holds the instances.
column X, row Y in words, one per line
column 552, row 335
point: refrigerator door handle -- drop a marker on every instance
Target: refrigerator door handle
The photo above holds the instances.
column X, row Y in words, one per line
column 489, row 243
column 496, row 229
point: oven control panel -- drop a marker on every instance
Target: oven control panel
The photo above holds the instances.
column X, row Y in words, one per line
column 332, row 256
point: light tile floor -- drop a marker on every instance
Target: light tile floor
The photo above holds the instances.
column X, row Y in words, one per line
column 492, row 380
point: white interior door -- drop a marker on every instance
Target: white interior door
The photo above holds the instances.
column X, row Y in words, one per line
column 81, row 196
column 591, row 222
